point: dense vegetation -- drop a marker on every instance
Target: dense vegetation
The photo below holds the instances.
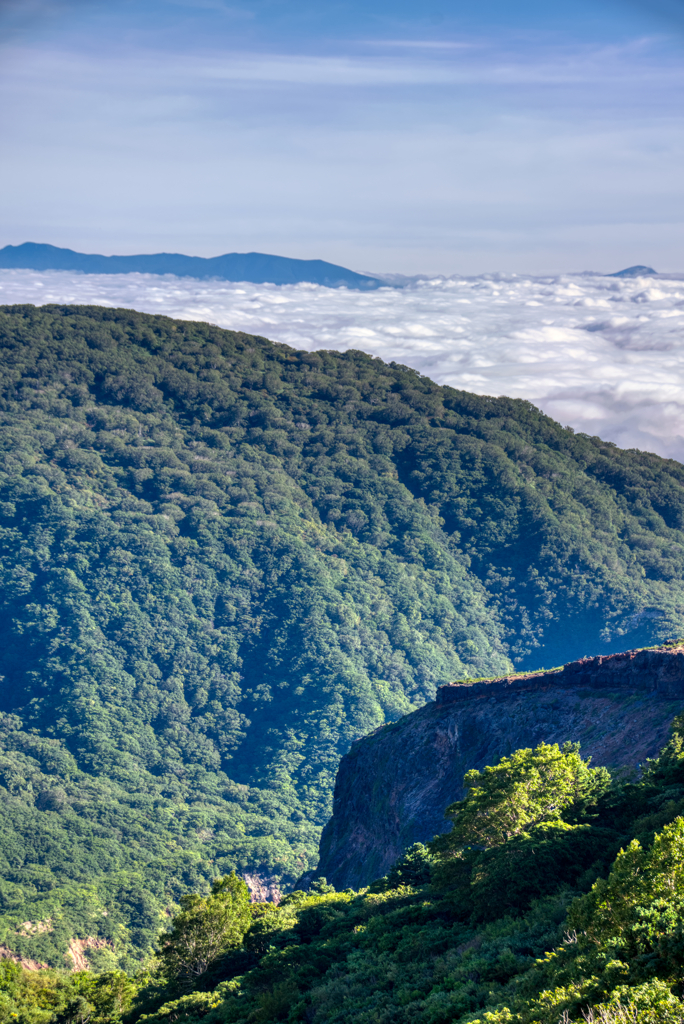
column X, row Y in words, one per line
column 515, row 915
column 223, row 560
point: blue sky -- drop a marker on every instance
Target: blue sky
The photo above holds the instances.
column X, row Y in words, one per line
column 452, row 137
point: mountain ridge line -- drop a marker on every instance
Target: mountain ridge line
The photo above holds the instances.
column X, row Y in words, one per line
column 253, row 267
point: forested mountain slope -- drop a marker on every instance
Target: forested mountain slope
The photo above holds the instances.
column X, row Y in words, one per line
column 224, row 559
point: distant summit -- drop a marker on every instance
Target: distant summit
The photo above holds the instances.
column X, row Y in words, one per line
column 637, row 271
column 255, row 267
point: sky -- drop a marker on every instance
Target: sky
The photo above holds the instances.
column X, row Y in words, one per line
column 602, row 355
column 447, row 137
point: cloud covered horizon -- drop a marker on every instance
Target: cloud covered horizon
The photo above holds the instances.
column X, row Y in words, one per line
column 602, row 355
column 529, row 137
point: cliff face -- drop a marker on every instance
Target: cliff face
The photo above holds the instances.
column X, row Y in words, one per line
column 393, row 786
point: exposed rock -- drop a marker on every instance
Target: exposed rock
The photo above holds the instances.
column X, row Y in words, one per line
column 655, row 670
column 393, row 786
column 28, row 964
column 35, row 927
column 263, row 889
column 77, row 951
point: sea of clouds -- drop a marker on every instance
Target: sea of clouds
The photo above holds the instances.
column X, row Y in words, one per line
column 603, row 355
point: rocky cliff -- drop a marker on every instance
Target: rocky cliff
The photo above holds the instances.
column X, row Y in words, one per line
column 393, row 785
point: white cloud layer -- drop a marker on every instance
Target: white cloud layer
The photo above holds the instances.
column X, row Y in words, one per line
column 603, row 355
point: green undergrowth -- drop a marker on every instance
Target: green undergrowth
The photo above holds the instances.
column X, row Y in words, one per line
column 556, row 894
column 556, row 897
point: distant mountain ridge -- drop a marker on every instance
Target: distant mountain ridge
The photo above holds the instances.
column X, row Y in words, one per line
column 637, row 271
column 255, row 267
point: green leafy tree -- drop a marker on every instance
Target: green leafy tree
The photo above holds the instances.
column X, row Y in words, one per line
column 205, row 928
column 521, row 792
column 641, row 903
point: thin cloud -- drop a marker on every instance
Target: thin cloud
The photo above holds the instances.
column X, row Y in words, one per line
column 552, row 65
column 418, row 63
column 421, row 44
column 603, row 355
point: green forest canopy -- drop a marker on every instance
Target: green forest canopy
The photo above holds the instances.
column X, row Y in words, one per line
column 224, row 559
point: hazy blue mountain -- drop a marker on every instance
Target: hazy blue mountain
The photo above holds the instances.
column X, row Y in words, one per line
column 636, row 271
column 256, row 267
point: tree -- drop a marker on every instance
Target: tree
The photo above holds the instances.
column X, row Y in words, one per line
column 527, row 789
column 205, row 928
column 641, row 880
